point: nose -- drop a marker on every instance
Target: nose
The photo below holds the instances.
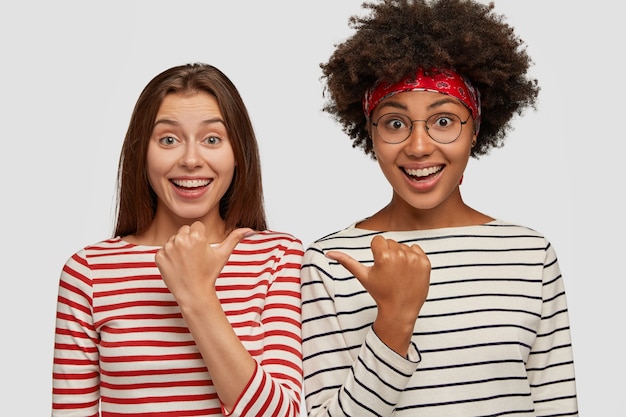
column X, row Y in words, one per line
column 419, row 141
column 191, row 156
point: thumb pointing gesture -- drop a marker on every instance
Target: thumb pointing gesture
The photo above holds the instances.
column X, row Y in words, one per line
column 227, row 245
column 400, row 273
column 398, row 282
column 356, row 268
column 190, row 265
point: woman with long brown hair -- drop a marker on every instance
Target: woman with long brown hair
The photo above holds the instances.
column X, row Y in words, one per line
column 193, row 306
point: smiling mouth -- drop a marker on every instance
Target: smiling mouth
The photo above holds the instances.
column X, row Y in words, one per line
column 191, row 184
column 424, row 173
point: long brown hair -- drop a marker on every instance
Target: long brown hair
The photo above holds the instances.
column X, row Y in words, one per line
column 242, row 205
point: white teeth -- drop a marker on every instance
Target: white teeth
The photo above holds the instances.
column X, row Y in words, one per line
column 422, row 172
column 191, row 183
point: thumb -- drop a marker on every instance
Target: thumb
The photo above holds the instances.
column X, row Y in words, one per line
column 234, row 238
column 355, row 267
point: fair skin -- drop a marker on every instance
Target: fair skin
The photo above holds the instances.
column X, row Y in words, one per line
column 425, row 177
column 190, row 165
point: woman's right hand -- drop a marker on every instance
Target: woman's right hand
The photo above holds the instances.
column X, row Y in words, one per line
column 398, row 282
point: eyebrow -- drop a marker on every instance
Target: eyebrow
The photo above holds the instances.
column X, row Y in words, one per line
column 171, row 122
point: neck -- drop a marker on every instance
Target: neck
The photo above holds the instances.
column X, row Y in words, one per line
column 163, row 227
column 398, row 215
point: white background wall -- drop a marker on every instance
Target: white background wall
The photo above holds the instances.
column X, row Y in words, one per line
column 72, row 70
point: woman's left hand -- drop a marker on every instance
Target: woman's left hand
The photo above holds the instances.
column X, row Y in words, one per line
column 190, row 264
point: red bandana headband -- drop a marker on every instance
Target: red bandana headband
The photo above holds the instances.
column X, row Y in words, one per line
column 436, row 80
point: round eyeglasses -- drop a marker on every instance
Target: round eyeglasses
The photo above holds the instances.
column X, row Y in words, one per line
column 441, row 127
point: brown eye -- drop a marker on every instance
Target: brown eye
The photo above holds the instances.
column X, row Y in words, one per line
column 443, row 121
column 396, row 124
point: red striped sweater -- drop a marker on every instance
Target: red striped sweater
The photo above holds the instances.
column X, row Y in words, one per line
column 122, row 347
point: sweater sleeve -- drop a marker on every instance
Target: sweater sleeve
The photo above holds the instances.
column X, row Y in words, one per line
column 76, row 379
column 550, row 364
column 343, row 380
column 275, row 387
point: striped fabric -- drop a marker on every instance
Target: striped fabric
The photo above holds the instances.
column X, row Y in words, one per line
column 122, row 347
column 492, row 339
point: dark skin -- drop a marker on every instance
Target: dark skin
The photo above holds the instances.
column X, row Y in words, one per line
column 399, row 292
column 443, row 34
column 400, row 277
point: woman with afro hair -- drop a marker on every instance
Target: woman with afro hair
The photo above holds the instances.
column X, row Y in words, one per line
column 429, row 307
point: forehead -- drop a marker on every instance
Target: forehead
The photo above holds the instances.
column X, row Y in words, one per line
column 419, row 101
column 197, row 103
